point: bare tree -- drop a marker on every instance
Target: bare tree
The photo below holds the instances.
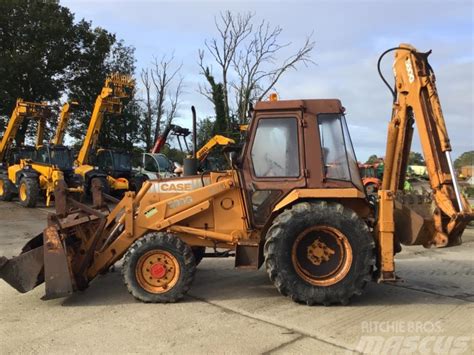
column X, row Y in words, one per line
column 163, row 87
column 248, row 58
column 148, row 122
column 163, row 75
column 233, row 30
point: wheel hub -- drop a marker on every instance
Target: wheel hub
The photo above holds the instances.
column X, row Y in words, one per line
column 321, row 255
column 23, row 194
column 319, row 252
column 157, row 271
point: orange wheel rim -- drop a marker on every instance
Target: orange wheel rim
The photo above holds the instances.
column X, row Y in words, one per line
column 321, row 255
column 157, row 271
column 2, row 188
column 23, row 193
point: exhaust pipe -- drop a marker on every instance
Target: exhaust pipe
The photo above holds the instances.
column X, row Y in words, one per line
column 190, row 165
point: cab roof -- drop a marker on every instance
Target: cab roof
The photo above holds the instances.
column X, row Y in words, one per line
column 314, row 106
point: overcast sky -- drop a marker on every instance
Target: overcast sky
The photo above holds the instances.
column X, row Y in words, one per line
column 349, row 36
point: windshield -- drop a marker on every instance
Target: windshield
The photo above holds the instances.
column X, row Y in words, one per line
column 164, row 163
column 122, row 161
column 22, row 153
column 340, row 162
column 61, row 158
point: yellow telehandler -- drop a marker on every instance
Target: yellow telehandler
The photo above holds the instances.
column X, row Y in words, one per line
column 32, row 171
column 293, row 200
column 117, row 88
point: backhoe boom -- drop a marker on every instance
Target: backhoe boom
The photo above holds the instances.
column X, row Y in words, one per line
column 416, row 101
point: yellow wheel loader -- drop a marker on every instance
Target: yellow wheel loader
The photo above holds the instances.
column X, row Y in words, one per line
column 293, row 200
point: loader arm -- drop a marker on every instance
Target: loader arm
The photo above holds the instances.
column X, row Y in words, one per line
column 63, row 122
column 110, row 101
column 23, row 110
column 416, row 101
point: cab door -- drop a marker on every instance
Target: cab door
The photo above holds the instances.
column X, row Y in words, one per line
column 274, row 162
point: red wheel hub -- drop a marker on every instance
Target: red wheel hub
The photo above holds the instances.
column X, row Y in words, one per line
column 158, row 271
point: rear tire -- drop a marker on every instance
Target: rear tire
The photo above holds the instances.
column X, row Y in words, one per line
column 28, row 191
column 159, row 268
column 319, row 252
column 7, row 189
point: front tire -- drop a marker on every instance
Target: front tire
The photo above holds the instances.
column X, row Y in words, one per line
column 7, row 189
column 319, row 253
column 28, row 191
column 159, row 268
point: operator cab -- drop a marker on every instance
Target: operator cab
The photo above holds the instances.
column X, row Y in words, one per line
column 155, row 165
column 57, row 155
column 21, row 152
column 297, row 144
column 114, row 163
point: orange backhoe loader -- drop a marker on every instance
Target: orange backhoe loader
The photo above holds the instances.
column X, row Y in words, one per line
column 293, row 200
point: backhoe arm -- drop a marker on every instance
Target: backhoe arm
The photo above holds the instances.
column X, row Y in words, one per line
column 416, row 101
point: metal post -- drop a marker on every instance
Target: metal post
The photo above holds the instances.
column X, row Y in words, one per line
column 455, row 181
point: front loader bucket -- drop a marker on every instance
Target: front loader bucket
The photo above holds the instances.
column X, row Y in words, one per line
column 25, row 271
column 42, row 259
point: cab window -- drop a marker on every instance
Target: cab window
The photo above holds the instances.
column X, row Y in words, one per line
column 104, row 160
column 339, row 159
column 164, row 163
column 42, row 155
column 275, row 148
column 150, row 164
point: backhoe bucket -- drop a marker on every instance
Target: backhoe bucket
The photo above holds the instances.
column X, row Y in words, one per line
column 414, row 223
column 419, row 222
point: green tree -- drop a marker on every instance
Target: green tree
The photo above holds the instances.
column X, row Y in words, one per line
column 372, row 159
column 466, row 158
column 36, row 50
column 98, row 54
column 216, row 96
column 205, row 131
column 415, row 158
column 45, row 55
